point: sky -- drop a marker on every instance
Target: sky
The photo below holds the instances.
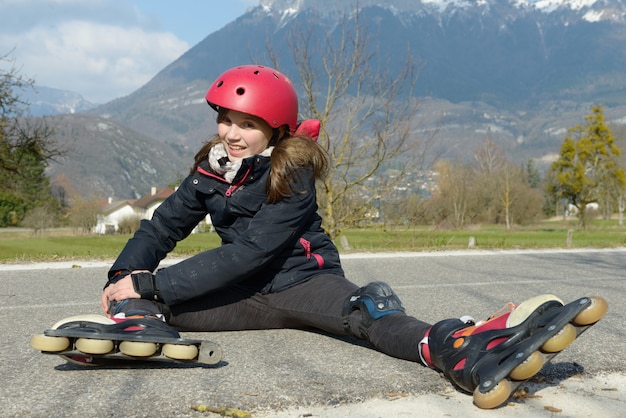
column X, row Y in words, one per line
column 105, row 49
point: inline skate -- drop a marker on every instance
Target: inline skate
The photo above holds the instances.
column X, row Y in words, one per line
column 99, row 340
column 494, row 357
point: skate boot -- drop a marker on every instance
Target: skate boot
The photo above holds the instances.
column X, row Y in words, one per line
column 492, row 358
column 98, row 340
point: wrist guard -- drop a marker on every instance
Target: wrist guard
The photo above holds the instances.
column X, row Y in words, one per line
column 145, row 285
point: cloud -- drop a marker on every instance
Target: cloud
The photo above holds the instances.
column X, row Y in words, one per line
column 100, row 49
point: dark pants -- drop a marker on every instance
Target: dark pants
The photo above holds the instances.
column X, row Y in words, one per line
column 316, row 303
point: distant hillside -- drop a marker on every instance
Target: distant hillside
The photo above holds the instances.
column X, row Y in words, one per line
column 107, row 159
column 46, row 101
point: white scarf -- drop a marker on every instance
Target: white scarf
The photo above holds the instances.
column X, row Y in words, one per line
column 229, row 168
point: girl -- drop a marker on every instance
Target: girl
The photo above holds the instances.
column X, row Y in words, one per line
column 276, row 268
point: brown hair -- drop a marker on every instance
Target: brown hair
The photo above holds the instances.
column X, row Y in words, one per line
column 290, row 154
column 288, row 157
column 203, row 154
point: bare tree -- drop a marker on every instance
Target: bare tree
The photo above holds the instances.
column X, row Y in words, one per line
column 491, row 189
column 84, row 215
column 508, row 196
column 515, row 200
column 129, row 224
column 620, row 142
column 63, row 190
column 489, row 157
column 453, row 196
column 40, row 218
column 494, row 177
column 367, row 115
column 20, row 137
column 528, row 203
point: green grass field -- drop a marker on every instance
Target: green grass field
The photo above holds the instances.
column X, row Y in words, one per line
column 21, row 246
column 15, row 247
column 545, row 235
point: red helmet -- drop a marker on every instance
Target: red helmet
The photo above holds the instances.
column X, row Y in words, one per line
column 259, row 91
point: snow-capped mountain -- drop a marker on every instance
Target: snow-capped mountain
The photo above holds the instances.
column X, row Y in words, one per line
column 516, row 54
column 589, row 10
column 518, row 71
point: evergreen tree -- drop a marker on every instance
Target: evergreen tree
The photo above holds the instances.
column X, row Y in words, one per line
column 587, row 164
column 533, row 176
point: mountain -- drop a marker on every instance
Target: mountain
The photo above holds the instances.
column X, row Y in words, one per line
column 46, row 101
column 511, row 54
column 517, row 71
column 106, row 159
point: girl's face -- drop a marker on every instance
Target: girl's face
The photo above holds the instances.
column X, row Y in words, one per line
column 243, row 135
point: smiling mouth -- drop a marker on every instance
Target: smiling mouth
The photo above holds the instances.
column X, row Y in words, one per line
column 236, row 147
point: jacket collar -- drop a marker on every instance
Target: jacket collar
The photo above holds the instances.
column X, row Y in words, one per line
column 255, row 165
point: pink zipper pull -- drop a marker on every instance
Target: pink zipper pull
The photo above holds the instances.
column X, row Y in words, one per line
column 307, row 247
column 233, row 187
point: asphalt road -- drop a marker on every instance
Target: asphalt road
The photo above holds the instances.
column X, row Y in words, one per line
column 269, row 370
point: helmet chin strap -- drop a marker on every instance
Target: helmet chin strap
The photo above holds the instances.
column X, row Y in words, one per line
column 276, row 136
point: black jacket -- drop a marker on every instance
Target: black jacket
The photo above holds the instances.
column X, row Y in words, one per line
column 269, row 247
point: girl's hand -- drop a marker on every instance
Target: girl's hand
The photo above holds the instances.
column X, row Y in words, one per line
column 121, row 290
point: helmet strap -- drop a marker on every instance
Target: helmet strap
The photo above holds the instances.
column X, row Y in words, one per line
column 276, row 136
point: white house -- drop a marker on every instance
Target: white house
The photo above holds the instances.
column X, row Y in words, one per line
column 143, row 208
column 111, row 215
column 573, row 210
column 148, row 203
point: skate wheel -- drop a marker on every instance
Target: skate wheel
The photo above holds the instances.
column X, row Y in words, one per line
column 138, row 349
column 93, row 346
column 530, row 367
column 495, row 397
column 180, row 352
column 210, row 353
column 559, row 341
column 43, row 342
column 593, row 313
column 524, row 309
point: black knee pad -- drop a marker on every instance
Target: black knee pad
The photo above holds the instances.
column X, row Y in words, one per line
column 374, row 300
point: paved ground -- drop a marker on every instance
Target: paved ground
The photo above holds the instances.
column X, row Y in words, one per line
column 298, row 373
